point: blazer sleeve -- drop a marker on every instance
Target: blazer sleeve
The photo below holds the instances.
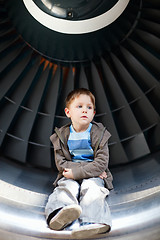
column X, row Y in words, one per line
column 60, row 159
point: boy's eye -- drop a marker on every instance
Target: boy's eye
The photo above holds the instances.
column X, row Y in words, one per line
column 79, row 106
column 89, row 107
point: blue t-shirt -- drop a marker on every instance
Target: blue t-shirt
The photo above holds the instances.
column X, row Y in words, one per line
column 79, row 144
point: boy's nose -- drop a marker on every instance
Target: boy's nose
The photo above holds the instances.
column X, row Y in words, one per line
column 84, row 110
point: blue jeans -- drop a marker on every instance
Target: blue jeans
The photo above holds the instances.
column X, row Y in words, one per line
column 90, row 194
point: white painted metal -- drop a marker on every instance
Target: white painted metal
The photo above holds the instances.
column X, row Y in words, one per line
column 76, row 27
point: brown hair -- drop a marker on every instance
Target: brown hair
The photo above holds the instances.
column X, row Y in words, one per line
column 75, row 93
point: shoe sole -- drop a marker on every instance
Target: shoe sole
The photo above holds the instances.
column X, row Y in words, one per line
column 65, row 216
column 87, row 231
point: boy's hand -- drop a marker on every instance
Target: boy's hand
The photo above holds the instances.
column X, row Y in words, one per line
column 103, row 175
column 67, row 173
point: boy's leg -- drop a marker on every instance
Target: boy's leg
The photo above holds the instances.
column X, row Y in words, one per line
column 62, row 207
column 93, row 201
column 95, row 209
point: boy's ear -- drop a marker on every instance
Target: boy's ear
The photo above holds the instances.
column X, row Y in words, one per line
column 67, row 112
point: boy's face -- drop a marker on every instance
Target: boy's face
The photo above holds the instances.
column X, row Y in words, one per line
column 81, row 112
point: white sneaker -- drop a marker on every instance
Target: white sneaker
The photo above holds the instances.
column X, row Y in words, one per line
column 65, row 216
column 90, row 230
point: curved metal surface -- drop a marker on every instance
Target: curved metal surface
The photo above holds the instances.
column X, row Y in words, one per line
column 124, row 80
column 134, row 202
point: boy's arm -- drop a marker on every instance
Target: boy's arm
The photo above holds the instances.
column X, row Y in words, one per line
column 60, row 160
column 100, row 163
column 95, row 168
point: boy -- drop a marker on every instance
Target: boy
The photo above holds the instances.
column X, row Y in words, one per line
column 84, row 180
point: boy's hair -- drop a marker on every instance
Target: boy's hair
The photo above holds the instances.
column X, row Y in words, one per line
column 76, row 93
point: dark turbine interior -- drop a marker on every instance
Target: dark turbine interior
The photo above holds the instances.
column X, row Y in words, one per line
column 120, row 63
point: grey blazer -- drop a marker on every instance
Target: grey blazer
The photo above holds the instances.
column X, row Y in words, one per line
column 82, row 170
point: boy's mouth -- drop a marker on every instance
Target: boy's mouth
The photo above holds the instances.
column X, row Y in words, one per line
column 84, row 117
